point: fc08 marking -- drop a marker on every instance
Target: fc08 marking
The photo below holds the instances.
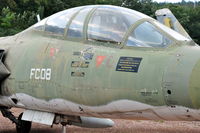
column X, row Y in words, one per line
column 40, row 74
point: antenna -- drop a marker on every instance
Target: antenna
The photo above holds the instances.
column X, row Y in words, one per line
column 38, row 18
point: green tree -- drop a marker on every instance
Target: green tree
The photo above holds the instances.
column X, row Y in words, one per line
column 7, row 19
column 8, row 3
column 194, row 24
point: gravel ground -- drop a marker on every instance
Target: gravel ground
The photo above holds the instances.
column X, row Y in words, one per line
column 121, row 126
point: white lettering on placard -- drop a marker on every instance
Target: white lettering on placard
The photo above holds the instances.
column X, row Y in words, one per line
column 40, row 74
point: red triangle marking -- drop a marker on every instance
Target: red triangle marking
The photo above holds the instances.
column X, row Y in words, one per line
column 99, row 60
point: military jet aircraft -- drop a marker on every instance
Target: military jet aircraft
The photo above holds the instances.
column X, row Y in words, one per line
column 86, row 64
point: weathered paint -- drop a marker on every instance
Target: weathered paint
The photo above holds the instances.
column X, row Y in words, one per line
column 194, row 86
column 165, row 85
column 145, row 86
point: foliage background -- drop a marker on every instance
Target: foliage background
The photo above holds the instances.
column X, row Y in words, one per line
column 17, row 15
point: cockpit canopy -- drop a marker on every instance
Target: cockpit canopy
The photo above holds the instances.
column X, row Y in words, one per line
column 111, row 24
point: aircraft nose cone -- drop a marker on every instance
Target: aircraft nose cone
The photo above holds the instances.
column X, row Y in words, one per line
column 194, row 86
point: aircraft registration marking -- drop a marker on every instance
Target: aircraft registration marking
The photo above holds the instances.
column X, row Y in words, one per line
column 40, row 73
column 128, row 64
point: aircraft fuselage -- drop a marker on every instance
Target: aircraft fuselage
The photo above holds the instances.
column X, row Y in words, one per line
column 73, row 78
